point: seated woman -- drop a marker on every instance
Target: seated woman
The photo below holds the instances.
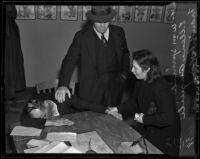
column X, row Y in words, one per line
column 152, row 105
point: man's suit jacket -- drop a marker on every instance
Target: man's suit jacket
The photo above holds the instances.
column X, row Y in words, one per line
column 82, row 53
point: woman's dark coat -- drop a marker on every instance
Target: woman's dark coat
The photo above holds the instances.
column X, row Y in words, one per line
column 14, row 62
column 161, row 121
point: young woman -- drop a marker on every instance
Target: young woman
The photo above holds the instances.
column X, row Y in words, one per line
column 152, row 105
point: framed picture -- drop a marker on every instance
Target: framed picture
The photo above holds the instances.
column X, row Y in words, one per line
column 170, row 10
column 69, row 12
column 124, row 13
column 25, row 11
column 115, row 8
column 85, row 9
column 141, row 13
column 46, row 12
column 156, row 14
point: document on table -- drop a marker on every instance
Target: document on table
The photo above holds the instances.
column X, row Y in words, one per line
column 25, row 131
column 125, row 147
column 59, row 122
column 61, row 136
column 96, row 144
column 36, row 142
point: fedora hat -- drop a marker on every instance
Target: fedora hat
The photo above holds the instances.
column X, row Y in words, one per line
column 101, row 14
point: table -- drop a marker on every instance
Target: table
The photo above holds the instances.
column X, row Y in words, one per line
column 110, row 129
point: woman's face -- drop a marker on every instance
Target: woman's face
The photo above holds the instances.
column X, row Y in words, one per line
column 138, row 71
column 101, row 27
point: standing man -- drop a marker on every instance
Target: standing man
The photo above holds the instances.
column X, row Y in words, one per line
column 101, row 53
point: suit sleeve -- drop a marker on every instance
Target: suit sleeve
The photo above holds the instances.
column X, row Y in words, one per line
column 164, row 104
column 70, row 61
column 125, row 57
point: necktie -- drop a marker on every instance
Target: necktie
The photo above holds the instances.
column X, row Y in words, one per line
column 103, row 39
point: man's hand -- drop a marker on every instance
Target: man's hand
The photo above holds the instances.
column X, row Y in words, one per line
column 61, row 92
column 139, row 117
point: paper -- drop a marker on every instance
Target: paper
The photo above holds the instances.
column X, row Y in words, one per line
column 59, row 148
column 72, row 150
column 61, row 136
column 32, row 150
column 59, row 122
column 38, row 143
column 25, row 131
column 125, row 147
column 47, row 147
column 97, row 144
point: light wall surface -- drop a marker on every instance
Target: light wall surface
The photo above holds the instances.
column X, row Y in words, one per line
column 45, row 42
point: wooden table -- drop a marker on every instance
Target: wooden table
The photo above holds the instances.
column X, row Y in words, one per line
column 111, row 130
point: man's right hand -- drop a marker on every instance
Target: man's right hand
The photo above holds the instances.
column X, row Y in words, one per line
column 61, row 92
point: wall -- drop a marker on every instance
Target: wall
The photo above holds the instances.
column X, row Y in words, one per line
column 45, row 43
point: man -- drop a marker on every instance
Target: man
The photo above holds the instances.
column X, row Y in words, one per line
column 101, row 53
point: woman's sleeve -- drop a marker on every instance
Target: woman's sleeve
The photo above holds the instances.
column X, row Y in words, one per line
column 164, row 103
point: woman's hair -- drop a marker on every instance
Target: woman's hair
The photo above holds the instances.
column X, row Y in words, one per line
column 146, row 60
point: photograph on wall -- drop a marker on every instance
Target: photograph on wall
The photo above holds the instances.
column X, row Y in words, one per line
column 25, row 11
column 85, row 9
column 46, row 12
column 115, row 8
column 69, row 12
column 170, row 10
column 141, row 13
column 156, row 14
column 124, row 13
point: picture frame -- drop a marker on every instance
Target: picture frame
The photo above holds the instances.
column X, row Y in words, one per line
column 47, row 12
column 25, row 12
column 156, row 14
column 115, row 8
column 141, row 13
column 170, row 11
column 69, row 12
column 124, row 14
column 84, row 11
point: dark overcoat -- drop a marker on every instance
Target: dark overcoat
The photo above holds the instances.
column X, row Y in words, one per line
column 14, row 61
column 82, row 52
column 161, row 121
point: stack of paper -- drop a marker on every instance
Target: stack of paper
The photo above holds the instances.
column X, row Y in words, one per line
column 125, row 147
column 53, row 147
column 59, row 122
column 36, row 143
column 25, row 131
column 62, row 136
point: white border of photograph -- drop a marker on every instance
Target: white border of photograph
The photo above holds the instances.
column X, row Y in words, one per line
column 67, row 14
column 156, row 12
column 44, row 14
column 123, row 14
column 170, row 11
column 141, row 13
column 84, row 11
column 25, row 12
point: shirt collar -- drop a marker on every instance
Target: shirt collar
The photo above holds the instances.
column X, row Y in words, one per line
column 106, row 34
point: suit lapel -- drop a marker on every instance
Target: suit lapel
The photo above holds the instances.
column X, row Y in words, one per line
column 91, row 45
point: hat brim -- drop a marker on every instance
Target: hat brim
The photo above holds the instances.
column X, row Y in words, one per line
column 101, row 19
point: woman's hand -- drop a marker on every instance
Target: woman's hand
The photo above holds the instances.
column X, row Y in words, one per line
column 114, row 112
column 61, row 92
column 139, row 117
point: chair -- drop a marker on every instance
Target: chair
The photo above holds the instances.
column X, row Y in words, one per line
column 51, row 85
